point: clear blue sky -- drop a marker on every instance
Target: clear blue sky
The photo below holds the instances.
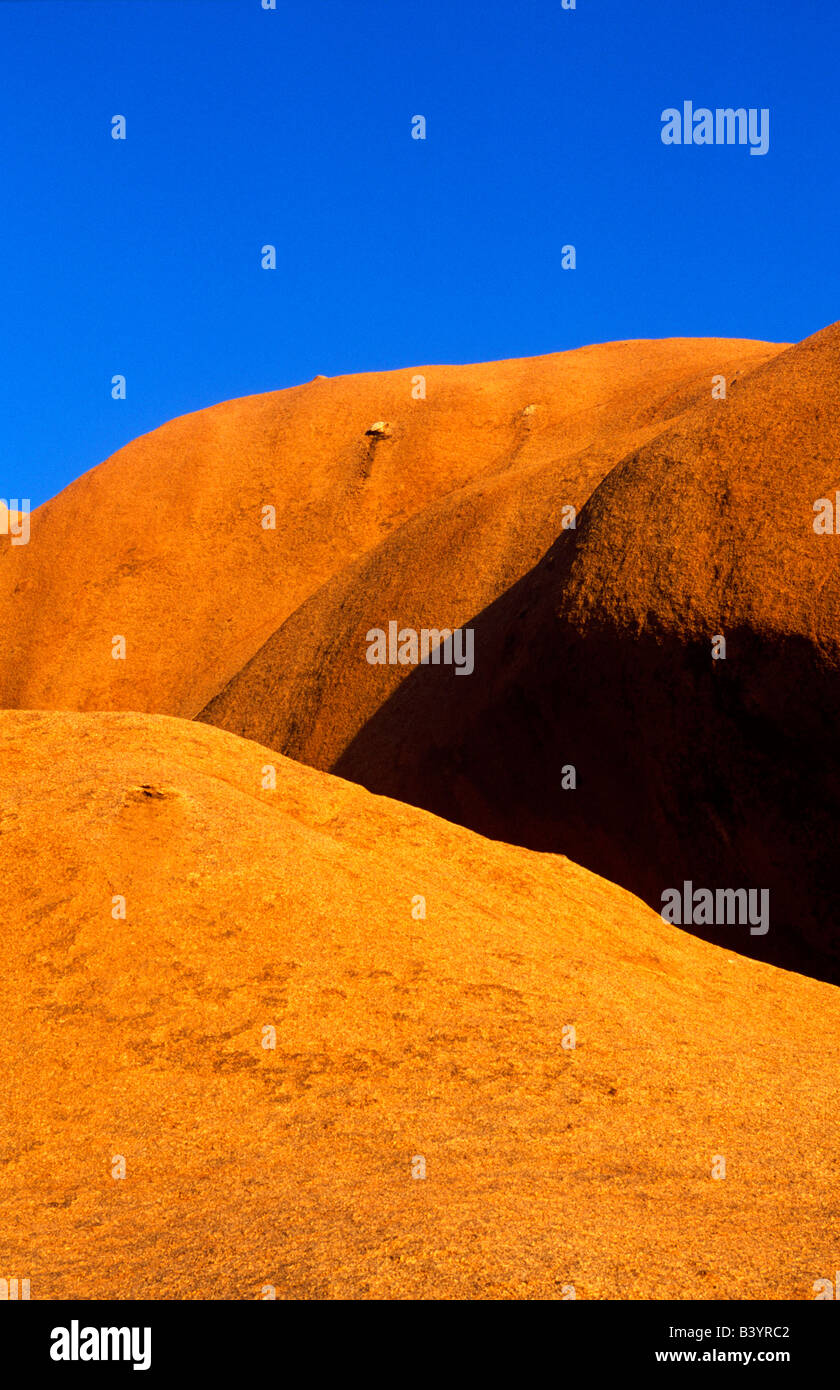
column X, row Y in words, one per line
column 292, row 127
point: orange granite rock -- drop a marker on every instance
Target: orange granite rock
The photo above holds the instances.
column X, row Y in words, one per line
column 273, row 1045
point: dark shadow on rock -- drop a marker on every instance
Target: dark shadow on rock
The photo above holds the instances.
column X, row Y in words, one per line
column 725, row 773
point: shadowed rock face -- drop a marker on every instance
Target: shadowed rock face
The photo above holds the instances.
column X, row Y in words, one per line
column 163, row 544
column 719, row 772
column 286, row 916
column 723, row 772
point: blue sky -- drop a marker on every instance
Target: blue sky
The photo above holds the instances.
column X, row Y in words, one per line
column 293, row 127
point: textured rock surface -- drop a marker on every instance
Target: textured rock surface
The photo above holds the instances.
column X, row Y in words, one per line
column 395, row 1039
